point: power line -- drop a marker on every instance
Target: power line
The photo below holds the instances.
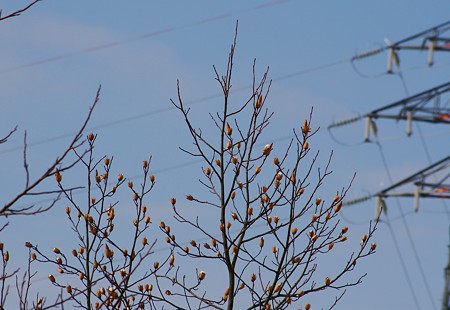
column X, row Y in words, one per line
column 408, row 233
column 144, row 36
column 170, row 108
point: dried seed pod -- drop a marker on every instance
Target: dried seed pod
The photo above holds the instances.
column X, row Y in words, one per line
column 276, row 161
column 327, row 281
column 228, row 129
column 190, row 197
column 259, row 102
column 267, row 149
column 278, row 287
column 173, row 201
column 344, row 229
column 51, row 278
column 229, row 145
column 305, row 128
column 261, row 242
column 201, row 275
column 108, row 252
column 253, row 277
column 58, row 176
column 338, row 206
column 279, row 176
column 331, row 245
column 373, row 246
column 314, row 238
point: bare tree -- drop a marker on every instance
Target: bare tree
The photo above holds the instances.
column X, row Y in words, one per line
column 60, row 164
column 272, row 223
column 272, row 226
column 18, row 12
column 102, row 271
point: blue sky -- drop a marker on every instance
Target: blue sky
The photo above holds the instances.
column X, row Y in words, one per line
column 156, row 43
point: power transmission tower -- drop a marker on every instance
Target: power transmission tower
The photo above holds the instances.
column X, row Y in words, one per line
column 422, row 107
column 422, row 186
column 446, row 296
column 433, row 40
column 425, row 106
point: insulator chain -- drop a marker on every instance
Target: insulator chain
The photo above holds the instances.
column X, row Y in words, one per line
column 367, row 54
column 357, row 200
column 345, row 122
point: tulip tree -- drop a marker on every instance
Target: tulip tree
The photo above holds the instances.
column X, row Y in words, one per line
column 271, row 222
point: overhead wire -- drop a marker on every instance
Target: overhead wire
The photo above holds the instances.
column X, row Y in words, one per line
column 408, row 233
column 394, row 238
column 171, row 107
column 144, row 36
